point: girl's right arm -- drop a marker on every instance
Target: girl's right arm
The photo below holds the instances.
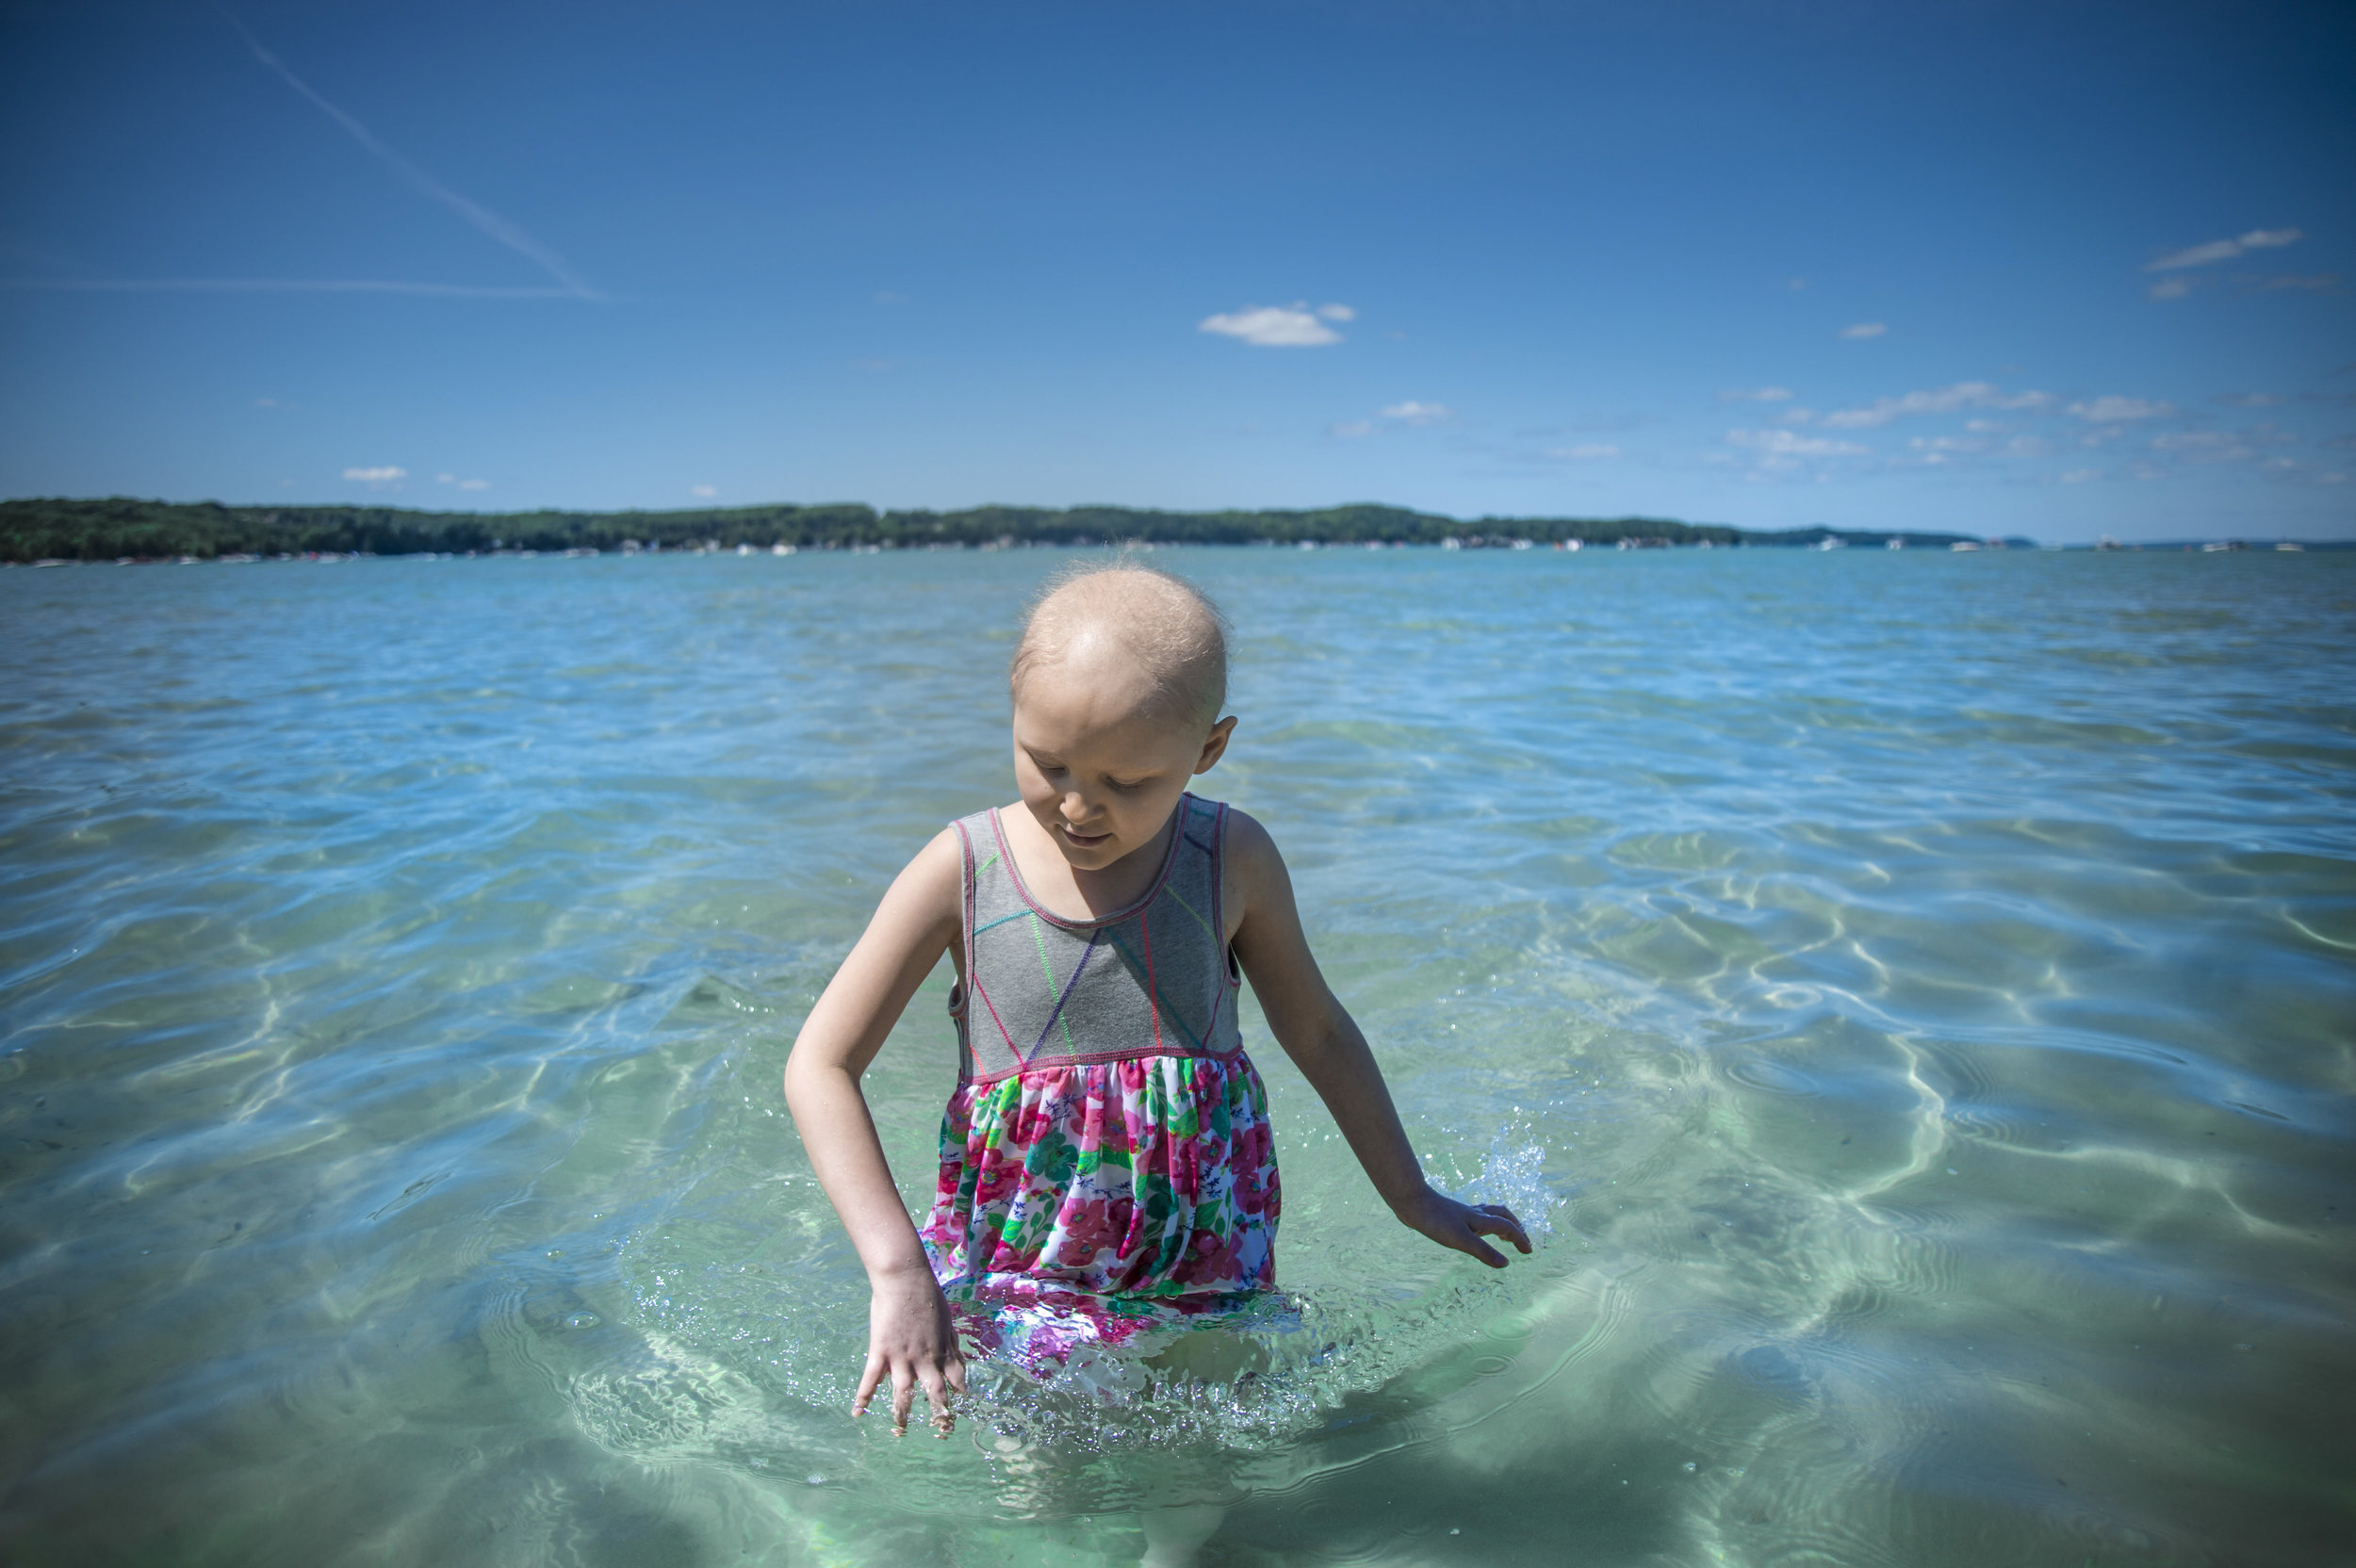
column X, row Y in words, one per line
column 909, row 1338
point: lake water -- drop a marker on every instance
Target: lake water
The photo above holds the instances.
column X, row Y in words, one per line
column 1911, row 992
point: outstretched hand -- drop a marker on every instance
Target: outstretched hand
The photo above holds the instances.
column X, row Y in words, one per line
column 913, row 1344
column 1461, row 1225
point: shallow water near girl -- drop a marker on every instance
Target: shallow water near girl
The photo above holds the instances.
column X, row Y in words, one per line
column 1913, row 993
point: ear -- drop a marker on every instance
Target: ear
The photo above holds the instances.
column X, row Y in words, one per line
column 1214, row 744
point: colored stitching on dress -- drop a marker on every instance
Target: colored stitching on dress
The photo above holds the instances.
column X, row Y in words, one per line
column 995, row 1019
column 1153, row 998
column 1152, row 992
column 1190, row 910
column 1056, row 1016
column 1071, row 1048
column 1002, row 919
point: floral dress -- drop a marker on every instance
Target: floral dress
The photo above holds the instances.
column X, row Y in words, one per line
column 1106, row 1165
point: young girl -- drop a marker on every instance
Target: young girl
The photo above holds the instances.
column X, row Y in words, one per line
column 1107, row 1146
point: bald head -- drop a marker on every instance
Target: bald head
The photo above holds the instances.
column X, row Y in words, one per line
column 1159, row 625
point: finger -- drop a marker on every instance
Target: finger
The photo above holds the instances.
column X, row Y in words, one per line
column 1499, row 1221
column 1481, row 1250
column 938, row 1392
column 955, row 1373
column 903, row 1396
column 867, row 1381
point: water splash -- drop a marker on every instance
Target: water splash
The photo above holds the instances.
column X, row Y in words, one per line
column 1513, row 1173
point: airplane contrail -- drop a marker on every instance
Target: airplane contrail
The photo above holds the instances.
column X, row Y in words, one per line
column 483, row 217
column 295, row 285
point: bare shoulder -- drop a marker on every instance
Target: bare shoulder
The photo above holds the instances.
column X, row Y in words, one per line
column 931, row 887
column 1249, row 846
column 940, row 865
column 1255, row 876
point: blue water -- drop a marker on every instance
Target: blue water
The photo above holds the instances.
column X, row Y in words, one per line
column 1911, row 992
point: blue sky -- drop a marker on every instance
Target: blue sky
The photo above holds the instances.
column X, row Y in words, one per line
column 2054, row 270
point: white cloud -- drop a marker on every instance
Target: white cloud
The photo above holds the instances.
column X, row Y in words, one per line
column 1943, row 400
column 1412, row 413
column 2170, row 288
column 378, row 478
column 889, row 297
column 1865, row 329
column 2202, row 446
column 2081, row 476
column 1338, row 312
column 1946, row 443
column 2247, row 400
column 2318, row 283
column 705, row 491
column 266, row 402
column 1351, row 428
column 474, row 484
column 1756, row 395
column 1583, row 454
column 1785, row 443
column 2197, row 255
column 2111, row 409
column 1272, row 327
column 2225, row 250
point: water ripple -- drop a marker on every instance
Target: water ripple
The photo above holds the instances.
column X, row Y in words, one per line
column 1910, row 993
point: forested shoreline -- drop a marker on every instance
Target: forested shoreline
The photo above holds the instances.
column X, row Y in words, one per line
column 119, row 529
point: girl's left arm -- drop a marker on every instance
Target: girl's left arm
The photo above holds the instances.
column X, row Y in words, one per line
column 1324, row 1042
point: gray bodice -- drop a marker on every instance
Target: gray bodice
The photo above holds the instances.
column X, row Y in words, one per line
column 1149, row 980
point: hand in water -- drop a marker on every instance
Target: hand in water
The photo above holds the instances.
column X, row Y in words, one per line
column 911, row 1342
column 1461, row 1225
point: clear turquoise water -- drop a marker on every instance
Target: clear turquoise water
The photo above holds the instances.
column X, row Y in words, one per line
column 1914, row 992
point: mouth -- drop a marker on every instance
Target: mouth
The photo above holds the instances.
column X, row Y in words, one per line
column 1084, row 841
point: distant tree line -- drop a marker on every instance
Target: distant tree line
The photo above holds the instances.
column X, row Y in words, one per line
column 142, row 530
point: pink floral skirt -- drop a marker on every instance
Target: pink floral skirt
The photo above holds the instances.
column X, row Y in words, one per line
column 1085, row 1202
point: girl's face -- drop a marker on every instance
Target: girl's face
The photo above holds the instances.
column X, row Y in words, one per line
column 1097, row 767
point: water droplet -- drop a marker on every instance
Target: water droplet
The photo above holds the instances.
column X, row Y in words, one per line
column 1691, row 1467
column 1951, row 1171
column 583, row 1321
column 815, row 1479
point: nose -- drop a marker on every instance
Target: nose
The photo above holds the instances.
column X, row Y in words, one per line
column 1075, row 806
